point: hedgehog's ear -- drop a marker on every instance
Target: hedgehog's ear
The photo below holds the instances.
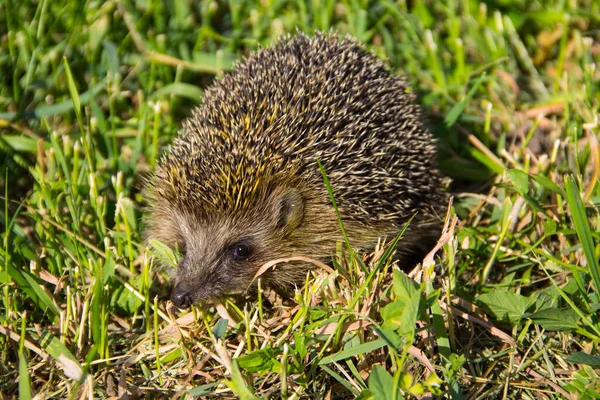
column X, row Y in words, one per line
column 291, row 210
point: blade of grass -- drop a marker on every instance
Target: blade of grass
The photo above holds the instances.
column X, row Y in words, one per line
column 339, row 378
column 458, row 108
column 354, row 351
column 582, row 227
column 24, row 383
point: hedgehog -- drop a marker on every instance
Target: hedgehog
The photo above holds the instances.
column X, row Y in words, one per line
column 241, row 184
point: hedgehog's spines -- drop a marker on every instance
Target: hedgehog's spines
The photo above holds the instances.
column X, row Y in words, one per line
column 260, row 131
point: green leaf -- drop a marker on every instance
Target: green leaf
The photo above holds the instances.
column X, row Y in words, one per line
column 505, row 306
column 401, row 315
column 585, row 359
column 260, row 360
column 353, row 351
column 582, row 227
column 366, row 394
column 486, row 160
column 24, row 384
column 342, row 380
column 22, row 143
column 548, row 184
column 519, row 180
column 32, row 288
column 316, row 313
column 239, row 385
column 73, row 92
column 125, row 299
column 62, row 355
column 300, row 345
column 393, row 315
column 458, row 108
column 554, row 319
column 421, row 11
column 98, row 300
column 549, row 227
column 220, row 328
column 108, row 270
column 404, row 288
column 164, row 253
column 381, row 384
column 392, row 338
column 171, row 356
column 203, row 390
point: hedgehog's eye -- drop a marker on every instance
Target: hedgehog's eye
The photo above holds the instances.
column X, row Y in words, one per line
column 241, row 252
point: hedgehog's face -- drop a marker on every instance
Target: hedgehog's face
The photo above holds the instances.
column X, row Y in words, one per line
column 223, row 253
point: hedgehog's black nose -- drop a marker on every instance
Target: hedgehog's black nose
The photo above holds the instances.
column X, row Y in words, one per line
column 181, row 295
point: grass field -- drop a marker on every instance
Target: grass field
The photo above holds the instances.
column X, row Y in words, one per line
column 508, row 307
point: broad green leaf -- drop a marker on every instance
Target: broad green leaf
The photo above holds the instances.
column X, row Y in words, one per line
column 421, row 10
column 108, row 270
column 404, row 288
column 381, row 384
column 401, row 315
column 300, row 345
column 125, row 299
column 554, row 319
column 164, row 253
column 505, row 306
column 220, row 328
column 393, row 315
column 366, row 394
column 260, row 360
column 519, row 180
column 316, row 313
column 585, row 359
column 97, row 30
column 549, row 227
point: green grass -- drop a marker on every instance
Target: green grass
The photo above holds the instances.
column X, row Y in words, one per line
column 92, row 92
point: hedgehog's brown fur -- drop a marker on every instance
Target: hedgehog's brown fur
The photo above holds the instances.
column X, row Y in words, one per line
column 244, row 168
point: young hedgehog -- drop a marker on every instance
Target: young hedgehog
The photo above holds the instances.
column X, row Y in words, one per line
column 241, row 186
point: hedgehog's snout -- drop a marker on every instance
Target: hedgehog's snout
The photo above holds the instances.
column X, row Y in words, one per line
column 181, row 295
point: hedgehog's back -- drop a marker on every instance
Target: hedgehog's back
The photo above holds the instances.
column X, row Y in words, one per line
column 306, row 99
